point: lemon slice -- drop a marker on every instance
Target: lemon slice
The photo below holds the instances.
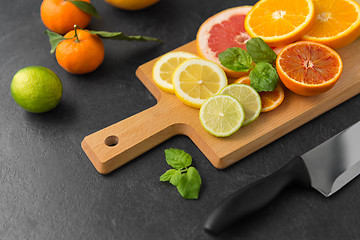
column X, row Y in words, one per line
column 248, row 97
column 221, row 115
column 165, row 66
column 195, row 80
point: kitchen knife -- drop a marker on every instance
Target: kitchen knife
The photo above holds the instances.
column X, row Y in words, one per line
column 327, row 168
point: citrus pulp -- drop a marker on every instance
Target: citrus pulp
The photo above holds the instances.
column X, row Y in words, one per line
column 196, row 79
column 280, row 22
column 221, row 115
column 308, row 68
column 248, row 97
column 165, row 66
column 337, row 23
column 269, row 100
column 222, row 31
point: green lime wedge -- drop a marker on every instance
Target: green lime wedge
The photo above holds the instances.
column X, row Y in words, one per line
column 248, row 97
column 221, row 115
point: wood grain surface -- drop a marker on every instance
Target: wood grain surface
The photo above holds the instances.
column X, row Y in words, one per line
column 121, row 142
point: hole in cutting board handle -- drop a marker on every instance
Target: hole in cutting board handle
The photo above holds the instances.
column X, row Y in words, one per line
column 111, row 141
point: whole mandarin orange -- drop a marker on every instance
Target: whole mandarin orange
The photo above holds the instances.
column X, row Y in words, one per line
column 81, row 54
column 60, row 16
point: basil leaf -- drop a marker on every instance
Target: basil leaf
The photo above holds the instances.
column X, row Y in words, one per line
column 189, row 184
column 167, row 175
column 86, row 7
column 122, row 36
column 54, row 39
column 236, row 59
column 264, row 77
column 260, row 51
column 177, row 158
column 175, row 178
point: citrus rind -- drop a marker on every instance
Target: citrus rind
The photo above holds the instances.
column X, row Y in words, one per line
column 276, row 40
column 216, row 79
column 165, row 66
column 221, row 115
column 248, row 97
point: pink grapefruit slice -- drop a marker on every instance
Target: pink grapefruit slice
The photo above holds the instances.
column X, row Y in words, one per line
column 222, row 31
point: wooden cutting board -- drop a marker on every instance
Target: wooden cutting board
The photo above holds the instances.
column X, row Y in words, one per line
column 121, row 142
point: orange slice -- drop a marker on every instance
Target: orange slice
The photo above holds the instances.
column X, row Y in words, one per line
column 337, row 23
column 280, row 22
column 269, row 100
column 220, row 32
column 308, row 68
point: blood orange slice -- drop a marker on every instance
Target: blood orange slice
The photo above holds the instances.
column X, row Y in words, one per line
column 222, row 31
column 308, row 68
column 269, row 100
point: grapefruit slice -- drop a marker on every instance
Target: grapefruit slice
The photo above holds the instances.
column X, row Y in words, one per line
column 222, row 31
column 308, row 68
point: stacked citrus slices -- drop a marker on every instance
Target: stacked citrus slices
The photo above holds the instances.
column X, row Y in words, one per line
column 303, row 34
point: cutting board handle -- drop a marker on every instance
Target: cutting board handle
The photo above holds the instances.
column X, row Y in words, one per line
column 121, row 142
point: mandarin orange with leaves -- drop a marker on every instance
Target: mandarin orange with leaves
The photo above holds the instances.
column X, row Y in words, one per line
column 81, row 52
column 60, row 16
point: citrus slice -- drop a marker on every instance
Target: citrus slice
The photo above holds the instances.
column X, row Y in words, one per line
column 195, row 80
column 165, row 66
column 269, row 100
column 220, row 32
column 337, row 23
column 221, row 115
column 280, row 22
column 308, row 68
column 248, row 97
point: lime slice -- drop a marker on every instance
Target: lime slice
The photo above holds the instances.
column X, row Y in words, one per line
column 221, row 115
column 248, row 97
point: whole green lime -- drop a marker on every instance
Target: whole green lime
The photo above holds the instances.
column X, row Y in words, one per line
column 37, row 89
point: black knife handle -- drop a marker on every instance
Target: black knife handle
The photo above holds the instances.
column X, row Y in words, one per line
column 256, row 195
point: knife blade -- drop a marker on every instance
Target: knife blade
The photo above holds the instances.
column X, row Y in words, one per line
column 326, row 168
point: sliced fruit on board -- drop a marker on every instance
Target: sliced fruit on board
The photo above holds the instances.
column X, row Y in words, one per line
column 248, row 97
column 221, row 115
column 269, row 100
column 337, row 23
column 308, row 68
column 221, row 31
column 195, row 80
column 165, row 66
column 280, row 22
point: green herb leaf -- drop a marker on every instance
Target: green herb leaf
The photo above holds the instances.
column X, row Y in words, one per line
column 236, row 59
column 167, row 175
column 86, row 7
column 175, row 178
column 54, row 39
column 260, row 51
column 177, row 158
column 122, row 36
column 189, row 184
column 264, row 77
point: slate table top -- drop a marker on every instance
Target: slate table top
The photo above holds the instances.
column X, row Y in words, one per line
column 50, row 190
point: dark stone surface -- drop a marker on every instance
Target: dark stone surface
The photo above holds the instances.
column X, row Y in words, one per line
column 50, row 190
